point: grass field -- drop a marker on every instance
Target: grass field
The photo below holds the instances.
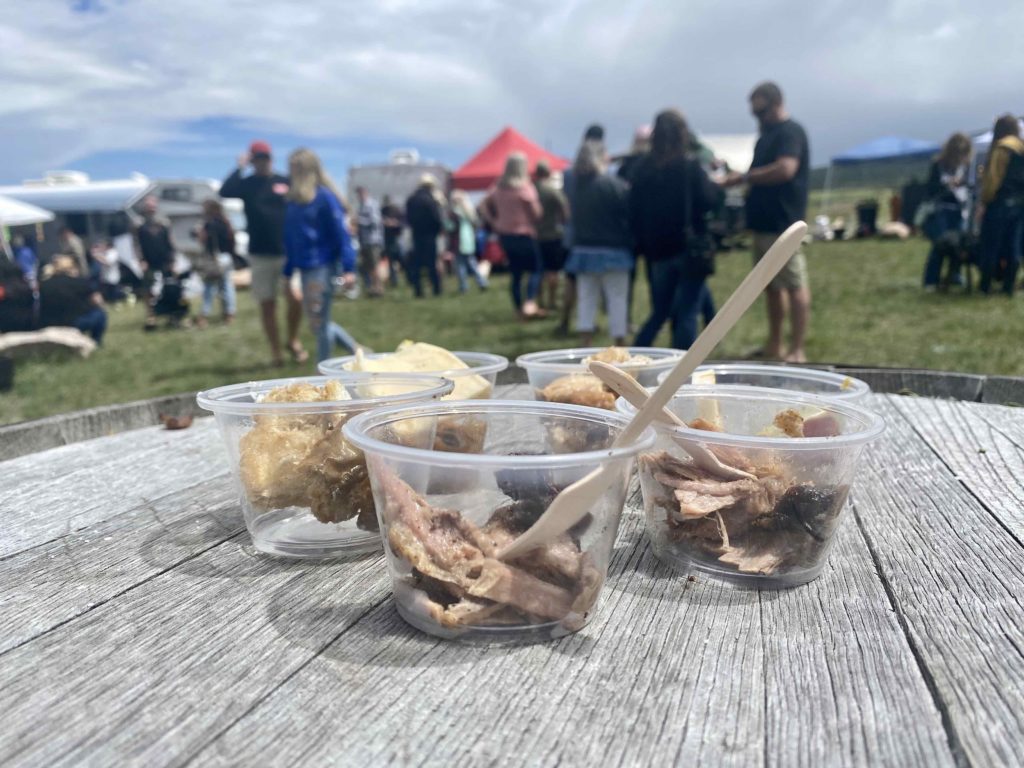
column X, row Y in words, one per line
column 868, row 309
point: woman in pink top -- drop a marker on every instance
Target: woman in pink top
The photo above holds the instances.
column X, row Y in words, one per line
column 512, row 210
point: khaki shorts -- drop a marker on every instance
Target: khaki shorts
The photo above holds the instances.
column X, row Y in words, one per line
column 790, row 277
column 267, row 280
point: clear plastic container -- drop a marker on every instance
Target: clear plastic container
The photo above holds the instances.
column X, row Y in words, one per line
column 445, row 515
column 475, row 382
column 793, row 379
column 304, row 490
column 773, row 531
column 561, row 375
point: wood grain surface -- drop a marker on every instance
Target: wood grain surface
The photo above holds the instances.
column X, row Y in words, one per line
column 141, row 629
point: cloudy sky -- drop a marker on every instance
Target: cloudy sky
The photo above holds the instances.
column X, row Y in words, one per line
column 177, row 87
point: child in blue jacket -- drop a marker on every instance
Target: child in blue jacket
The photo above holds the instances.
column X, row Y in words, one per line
column 317, row 244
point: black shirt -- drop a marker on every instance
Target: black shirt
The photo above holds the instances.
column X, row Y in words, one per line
column 773, row 208
column 424, row 215
column 265, row 203
column 219, row 237
column 63, row 299
column 658, row 205
column 391, row 232
column 155, row 243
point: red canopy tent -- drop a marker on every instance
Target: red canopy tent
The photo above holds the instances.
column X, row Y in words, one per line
column 484, row 168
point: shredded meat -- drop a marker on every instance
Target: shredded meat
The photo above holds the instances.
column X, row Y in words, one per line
column 454, row 564
column 765, row 526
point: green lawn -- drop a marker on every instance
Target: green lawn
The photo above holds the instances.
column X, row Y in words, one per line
column 868, row 309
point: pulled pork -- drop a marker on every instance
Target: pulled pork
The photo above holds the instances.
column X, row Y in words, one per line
column 458, row 578
column 769, row 525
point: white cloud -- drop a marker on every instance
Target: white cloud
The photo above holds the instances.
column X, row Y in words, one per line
column 453, row 72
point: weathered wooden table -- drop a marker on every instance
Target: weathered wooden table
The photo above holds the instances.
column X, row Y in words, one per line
column 137, row 629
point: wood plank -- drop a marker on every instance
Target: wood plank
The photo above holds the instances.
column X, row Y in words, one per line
column 956, row 584
column 945, row 384
column 636, row 684
column 254, row 660
column 670, row 672
column 982, row 446
column 842, row 686
column 151, row 675
column 1005, row 390
column 50, row 494
column 40, row 434
column 48, row 585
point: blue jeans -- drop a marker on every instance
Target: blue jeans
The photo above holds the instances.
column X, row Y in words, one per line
column 1001, row 242
column 223, row 285
column 523, row 257
column 317, row 293
column 677, row 298
column 93, row 323
column 465, row 265
column 424, row 256
column 942, row 221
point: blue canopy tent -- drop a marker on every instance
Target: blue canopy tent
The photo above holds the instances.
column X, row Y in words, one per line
column 884, row 151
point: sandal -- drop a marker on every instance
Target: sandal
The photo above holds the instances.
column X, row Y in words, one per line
column 298, row 353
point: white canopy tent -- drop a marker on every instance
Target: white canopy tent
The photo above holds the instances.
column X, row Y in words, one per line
column 14, row 213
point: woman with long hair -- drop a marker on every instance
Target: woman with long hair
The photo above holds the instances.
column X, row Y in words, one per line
column 1002, row 205
column 602, row 246
column 512, row 210
column 464, row 222
column 669, row 199
column 317, row 244
column 215, row 264
column 946, row 192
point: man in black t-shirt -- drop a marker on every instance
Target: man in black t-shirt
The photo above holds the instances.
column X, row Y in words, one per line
column 425, row 217
column 777, row 197
column 263, row 193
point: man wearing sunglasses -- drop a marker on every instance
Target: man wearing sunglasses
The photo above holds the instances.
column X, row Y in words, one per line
column 778, row 182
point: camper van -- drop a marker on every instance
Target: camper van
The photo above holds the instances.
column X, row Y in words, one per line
column 93, row 209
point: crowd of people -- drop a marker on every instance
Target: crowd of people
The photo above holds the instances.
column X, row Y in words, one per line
column 652, row 204
column 571, row 245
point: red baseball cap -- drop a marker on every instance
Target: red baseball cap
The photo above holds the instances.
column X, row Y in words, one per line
column 259, row 148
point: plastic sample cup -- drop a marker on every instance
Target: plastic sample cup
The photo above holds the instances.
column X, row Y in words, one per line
column 445, row 515
column 304, row 490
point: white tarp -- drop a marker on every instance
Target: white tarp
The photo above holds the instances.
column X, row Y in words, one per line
column 14, row 213
column 737, row 149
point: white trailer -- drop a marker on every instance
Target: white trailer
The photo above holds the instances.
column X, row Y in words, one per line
column 397, row 178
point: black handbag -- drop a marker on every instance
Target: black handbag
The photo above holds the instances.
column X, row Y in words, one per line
column 699, row 249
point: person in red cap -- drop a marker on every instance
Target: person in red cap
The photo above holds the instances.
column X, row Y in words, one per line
column 264, row 195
